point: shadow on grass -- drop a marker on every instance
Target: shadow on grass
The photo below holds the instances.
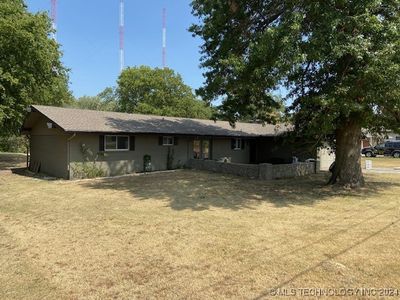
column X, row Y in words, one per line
column 26, row 173
column 12, row 160
column 200, row 190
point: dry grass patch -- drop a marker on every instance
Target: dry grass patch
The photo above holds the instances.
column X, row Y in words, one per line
column 194, row 235
column 382, row 162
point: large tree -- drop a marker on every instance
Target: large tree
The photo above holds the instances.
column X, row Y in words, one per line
column 30, row 67
column 339, row 61
column 158, row 92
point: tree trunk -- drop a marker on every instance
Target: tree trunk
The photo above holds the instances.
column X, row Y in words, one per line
column 347, row 170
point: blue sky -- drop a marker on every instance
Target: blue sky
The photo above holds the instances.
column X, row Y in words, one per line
column 88, row 34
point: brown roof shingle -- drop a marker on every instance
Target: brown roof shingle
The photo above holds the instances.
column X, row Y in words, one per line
column 80, row 120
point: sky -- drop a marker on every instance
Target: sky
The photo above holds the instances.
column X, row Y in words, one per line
column 88, row 32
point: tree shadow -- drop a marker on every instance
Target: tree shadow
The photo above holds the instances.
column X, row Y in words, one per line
column 170, row 125
column 11, row 160
column 26, row 173
column 201, row 190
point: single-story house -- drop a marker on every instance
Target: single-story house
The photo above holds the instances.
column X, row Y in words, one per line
column 61, row 139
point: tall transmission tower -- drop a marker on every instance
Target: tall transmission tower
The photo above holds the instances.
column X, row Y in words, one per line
column 121, row 34
column 164, row 38
column 53, row 14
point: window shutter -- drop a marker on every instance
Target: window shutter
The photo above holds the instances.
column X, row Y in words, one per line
column 132, row 143
column 101, row 143
column 175, row 140
column 233, row 143
column 242, row 141
column 160, row 140
column 210, row 151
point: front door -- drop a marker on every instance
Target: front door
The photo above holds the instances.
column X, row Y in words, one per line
column 253, row 151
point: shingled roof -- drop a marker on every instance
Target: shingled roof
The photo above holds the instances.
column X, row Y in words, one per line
column 80, row 120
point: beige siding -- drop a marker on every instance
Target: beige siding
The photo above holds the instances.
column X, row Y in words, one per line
column 49, row 148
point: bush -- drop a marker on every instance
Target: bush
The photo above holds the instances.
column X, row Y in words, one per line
column 87, row 170
column 15, row 144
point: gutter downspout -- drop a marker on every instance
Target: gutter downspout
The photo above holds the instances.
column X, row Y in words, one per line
column 69, row 153
column 28, row 151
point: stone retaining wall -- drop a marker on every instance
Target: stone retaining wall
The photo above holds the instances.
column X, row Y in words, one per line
column 293, row 170
column 245, row 170
column 261, row 171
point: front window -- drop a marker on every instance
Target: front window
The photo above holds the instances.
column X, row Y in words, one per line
column 116, row 143
column 206, row 149
column 168, row 140
column 238, row 144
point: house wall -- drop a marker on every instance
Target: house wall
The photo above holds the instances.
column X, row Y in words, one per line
column 222, row 148
column 125, row 162
column 49, row 148
column 278, row 151
column 60, row 153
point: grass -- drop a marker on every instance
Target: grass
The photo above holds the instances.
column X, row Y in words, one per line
column 195, row 235
column 12, row 160
column 382, row 162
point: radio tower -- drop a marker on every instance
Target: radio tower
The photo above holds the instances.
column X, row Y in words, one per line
column 164, row 38
column 53, row 14
column 121, row 34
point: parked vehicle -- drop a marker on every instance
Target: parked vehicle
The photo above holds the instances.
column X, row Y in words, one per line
column 389, row 148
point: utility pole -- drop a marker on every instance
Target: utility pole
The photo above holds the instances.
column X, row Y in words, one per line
column 121, row 34
column 53, row 15
column 164, row 38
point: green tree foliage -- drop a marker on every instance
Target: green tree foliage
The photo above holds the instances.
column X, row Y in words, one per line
column 158, row 92
column 106, row 101
column 30, row 67
column 339, row 60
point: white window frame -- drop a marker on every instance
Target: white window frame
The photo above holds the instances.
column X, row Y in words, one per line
column 116, row 144
column 238, row 144
column 167, row 137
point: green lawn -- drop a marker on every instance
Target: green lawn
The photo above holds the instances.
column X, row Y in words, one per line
column 190, row 234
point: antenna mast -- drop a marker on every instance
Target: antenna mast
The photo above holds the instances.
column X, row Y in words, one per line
column 121, row 34
column 164, row 38
column 53, row 15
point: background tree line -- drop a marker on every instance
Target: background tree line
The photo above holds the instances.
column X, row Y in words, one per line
column 148, row 91
column 31, row 72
